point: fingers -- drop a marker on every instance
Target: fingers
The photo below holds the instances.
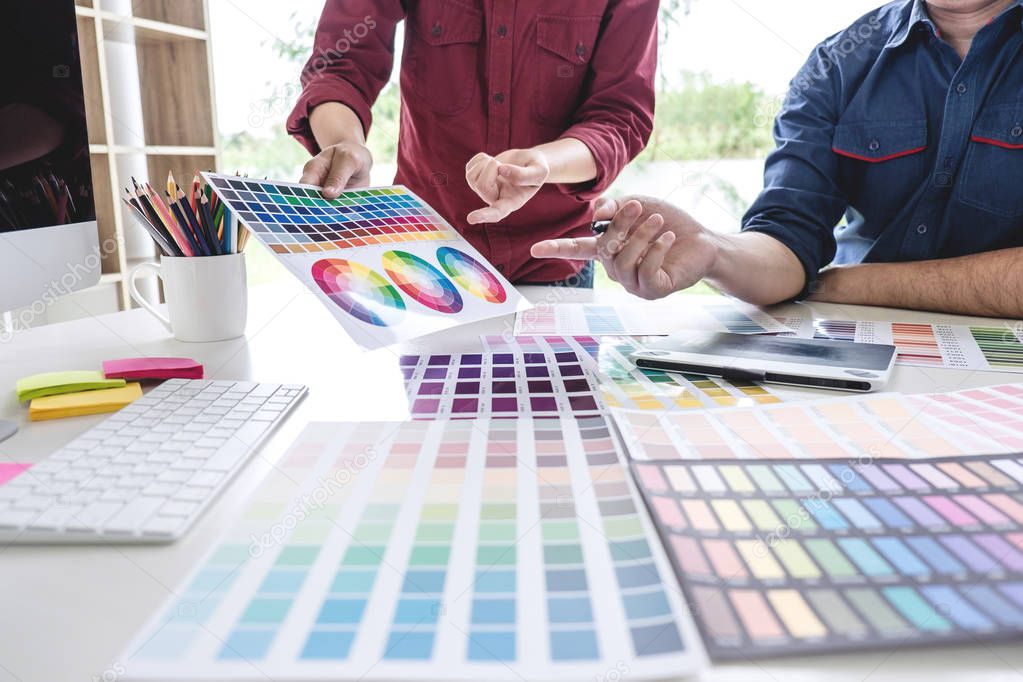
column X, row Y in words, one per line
column 605, row 209
column 342, row 167
column 486, row 182
column 495, row 213
column 584, row 248
column 531, row 175
column 314, row 172
column 617, row 234
column 473, row 172
column 653, row 280
column 626, row 263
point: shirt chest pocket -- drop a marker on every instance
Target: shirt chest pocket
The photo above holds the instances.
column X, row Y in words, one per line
column 992, row 175
column 881, row 164
column 564, row 48
column 443, row 54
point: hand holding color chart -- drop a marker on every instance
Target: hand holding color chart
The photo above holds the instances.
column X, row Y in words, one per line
column 383, row 262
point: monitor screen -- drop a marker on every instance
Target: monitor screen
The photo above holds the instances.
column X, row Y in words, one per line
column 45, row 176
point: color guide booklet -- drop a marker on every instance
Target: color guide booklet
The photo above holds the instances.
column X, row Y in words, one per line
column 636, row 317
column 990, row 348
column 482, row 549
column 784, row 557
column 383, row 262
column 622, row 384
column 974, row 421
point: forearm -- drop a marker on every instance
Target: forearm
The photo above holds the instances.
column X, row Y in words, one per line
column 986, row 284
column 756, row 268
column 333, row 123
column 570, row 161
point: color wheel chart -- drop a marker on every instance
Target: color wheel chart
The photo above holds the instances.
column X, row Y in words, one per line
column 381, row 260
column 622, row 384
column 962, row 423
column 489, row 549
column 640, row 318
column 993, row 349
column 782, row 557
column 499, row 384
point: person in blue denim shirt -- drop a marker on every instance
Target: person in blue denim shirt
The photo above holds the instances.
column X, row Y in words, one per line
column 910, row 123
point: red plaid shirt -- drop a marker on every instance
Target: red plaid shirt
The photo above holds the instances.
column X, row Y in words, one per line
column 488, row 76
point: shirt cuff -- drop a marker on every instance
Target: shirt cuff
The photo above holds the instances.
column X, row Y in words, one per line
column 319, row 92
column 604, row 156
column 807, row 258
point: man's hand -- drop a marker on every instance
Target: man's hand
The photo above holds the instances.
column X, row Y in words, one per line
column 506, row 182
column 652, row 248
column 339, row 167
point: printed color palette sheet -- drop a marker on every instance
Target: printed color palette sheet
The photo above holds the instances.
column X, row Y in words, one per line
column 784, row 557
column 622, row 384
column 996, row 348
column 381, row 260
column 489, row 549
column 507, row 384
column 678, row 313
column 986, row 420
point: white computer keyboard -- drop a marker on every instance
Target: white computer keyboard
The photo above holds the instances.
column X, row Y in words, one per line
column 148, row 471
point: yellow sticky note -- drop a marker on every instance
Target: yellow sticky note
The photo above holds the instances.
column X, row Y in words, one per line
column 85, row 402
column 55, row 383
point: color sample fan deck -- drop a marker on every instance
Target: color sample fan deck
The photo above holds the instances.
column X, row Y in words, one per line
column 492, row 549
column 781, row 557
column 392, row 243
column 471, row 275
column 423, row 282
column 359, row 291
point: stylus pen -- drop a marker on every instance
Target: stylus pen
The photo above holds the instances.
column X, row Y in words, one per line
column 600, row 226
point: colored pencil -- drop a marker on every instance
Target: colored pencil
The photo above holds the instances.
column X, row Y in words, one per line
column 180, row 236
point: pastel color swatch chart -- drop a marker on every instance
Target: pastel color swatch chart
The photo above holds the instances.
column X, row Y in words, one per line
column 674, row 314
column 988, row 420
column 782, row 557
column 622, row 384
column 499, row 384
column 385, row 265
column 993, row 348
column 458, row 549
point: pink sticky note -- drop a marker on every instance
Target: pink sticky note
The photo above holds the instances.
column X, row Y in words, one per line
column 9, row 470
column 152, row 368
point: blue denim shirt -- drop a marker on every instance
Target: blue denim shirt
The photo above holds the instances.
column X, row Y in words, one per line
column 921, row 150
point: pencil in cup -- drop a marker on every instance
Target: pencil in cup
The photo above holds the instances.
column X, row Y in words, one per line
column 184, row 223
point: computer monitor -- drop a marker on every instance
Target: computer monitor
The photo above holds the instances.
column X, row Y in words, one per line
column 49, row 244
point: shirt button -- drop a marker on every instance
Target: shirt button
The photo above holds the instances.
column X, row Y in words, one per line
column 502, row 31
column 961, row 88
column 436, row 30
column 921, row 229
column 874, row 145
column 944, row 179
column 580, row 50
column 1017, row 131
column 499, row 98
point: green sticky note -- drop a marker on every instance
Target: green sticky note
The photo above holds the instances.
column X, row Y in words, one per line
column 57, row 383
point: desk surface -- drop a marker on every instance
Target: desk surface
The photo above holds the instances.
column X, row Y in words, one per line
column 68, row 612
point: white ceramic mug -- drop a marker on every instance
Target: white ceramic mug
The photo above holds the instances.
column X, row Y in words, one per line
column 207, row 297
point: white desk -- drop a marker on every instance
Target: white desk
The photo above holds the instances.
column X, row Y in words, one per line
column 66, row 613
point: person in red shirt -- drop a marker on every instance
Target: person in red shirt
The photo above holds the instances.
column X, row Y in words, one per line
column 516, row 114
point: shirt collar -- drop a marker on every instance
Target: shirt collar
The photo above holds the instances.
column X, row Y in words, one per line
column 918, row 15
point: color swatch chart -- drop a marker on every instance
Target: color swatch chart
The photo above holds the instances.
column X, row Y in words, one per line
column 381, row 260
column 971, row 422
column 783, row 557
column 677, row 313
column 622, row 384
column 993, row 348
column 546, row 382
column 491, row 549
